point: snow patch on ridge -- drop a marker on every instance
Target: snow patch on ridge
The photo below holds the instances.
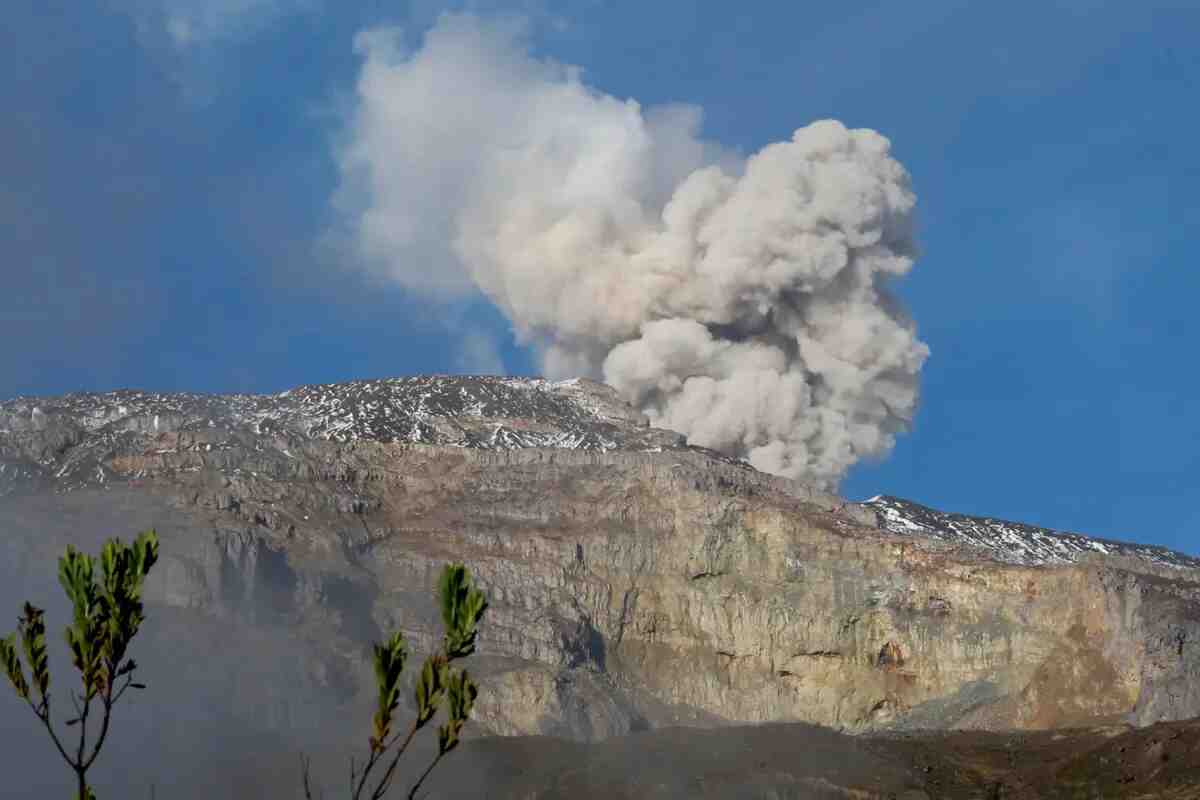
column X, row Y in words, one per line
column 491, row 413
column 1011, row 542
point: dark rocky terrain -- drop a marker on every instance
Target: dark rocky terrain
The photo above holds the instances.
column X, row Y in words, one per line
column 794, row 760
column 638, row 584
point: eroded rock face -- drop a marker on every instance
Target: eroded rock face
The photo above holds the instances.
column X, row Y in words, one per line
column 634, row 581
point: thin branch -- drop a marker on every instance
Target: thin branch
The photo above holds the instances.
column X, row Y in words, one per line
column 123, row 689
column 306, row 771
column 412, row 793
column 109, row 701
column 80, row 768
column 106, row 699
column 44, row 715
column 386, row 783
column 83, row 717
column 371, row 762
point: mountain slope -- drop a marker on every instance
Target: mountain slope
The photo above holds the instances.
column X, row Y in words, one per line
column 614, row 554
column 70, row 440
column 1013, row 542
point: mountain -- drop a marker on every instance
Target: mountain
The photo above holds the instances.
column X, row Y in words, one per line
column 1016, row 542
column 478, row 413
column 636, row 582
column 805, row 762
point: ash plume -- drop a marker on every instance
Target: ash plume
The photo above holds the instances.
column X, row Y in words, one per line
column 741, row 301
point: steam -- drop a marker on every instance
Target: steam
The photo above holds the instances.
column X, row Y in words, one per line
column 742, row 302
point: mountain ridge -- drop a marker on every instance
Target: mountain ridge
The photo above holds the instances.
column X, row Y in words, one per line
column 1011, row 541
column 478, row 412
column 613, row 552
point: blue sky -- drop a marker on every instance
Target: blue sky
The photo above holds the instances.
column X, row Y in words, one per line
column 168, row 167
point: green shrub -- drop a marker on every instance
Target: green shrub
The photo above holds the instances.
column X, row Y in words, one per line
column 439, row 684
column 106, row 616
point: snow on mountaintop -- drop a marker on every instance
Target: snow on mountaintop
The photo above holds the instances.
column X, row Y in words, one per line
column 1011, row 542
column 466, row 411
column 89, row 439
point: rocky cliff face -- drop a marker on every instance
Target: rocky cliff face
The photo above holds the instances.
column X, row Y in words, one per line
column 635, row 581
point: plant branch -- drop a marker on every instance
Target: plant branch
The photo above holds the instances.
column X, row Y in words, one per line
column 372, row 760
column 128, row 683
column 386, row 783
column 77, row 764
column 306, row 771
column 83, row 718
column 439, row 685
column 43, row 714
column 412, row 793
column 106, row 698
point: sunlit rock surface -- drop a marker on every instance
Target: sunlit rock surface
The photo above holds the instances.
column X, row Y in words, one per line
column 635, row 582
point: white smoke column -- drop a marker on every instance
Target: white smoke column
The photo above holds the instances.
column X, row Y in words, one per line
column 741, row 303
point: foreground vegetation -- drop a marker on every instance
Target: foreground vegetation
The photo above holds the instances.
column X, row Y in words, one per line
column 107, row 613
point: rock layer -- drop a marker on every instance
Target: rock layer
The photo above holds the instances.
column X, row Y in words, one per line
column 635, row 581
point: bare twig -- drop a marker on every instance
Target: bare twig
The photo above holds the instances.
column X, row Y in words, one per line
column 43, row 714
column 108, row 701
column 306, row 770
column 412, row 793
column 386, row 783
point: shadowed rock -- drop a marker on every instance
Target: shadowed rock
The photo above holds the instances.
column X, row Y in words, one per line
column 636, row 582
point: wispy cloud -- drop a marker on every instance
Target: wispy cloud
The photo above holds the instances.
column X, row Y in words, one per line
column 185, row 24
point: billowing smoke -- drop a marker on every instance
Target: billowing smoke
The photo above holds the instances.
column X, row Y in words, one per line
column 742, row 302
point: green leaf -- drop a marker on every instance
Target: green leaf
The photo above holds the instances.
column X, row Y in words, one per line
column 460, row 695
column 118, row 611
column 389, row 664
column 428, row 691
column 449, row 590
column 75, row 573
column 33, row 640
column 462, row 607
column 12, row 666
column 389, row 661
column 460, row 699
column 83, row 635
column 447, row 738
column 146, row 552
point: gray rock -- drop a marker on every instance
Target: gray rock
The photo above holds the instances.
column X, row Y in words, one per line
column 635, row 581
